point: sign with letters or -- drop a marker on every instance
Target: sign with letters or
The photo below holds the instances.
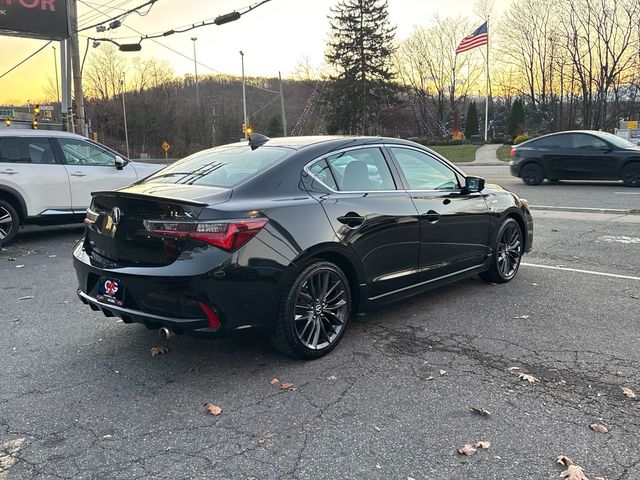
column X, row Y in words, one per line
column 46, row 19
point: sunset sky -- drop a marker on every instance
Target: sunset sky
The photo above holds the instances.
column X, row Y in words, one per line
column 273, row 37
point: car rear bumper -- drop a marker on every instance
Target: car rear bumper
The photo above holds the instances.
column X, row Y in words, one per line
column 181, row 297
column 515, row 169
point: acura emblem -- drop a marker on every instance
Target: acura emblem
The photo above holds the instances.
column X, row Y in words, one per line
column 116, row 215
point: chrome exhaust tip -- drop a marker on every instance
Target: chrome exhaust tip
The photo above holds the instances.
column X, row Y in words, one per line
column 165, row 333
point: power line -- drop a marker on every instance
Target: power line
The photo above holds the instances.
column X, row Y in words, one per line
column 25, row 60
column 121, row 16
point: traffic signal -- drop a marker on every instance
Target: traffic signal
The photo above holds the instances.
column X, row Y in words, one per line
column 36, row 110
column 244, row 128
column 34, row 124
column 249, row 130
column 95, row 136
column 7, row 122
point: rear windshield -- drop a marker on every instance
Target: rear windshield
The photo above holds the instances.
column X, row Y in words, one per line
column 220, row 167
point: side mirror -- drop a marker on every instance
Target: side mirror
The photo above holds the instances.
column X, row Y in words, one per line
column 120, row 163
column 474, row 184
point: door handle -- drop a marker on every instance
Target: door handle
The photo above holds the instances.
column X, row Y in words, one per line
column 78, row 174
column 8, row 171
column 352, row 219
column 431, row 216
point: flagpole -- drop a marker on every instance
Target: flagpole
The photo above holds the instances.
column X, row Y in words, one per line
column 486, row 103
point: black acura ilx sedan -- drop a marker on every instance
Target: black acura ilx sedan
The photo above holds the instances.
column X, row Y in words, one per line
column 293, row 235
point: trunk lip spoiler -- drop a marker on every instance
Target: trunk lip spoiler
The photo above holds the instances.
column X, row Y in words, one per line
column 140, row 196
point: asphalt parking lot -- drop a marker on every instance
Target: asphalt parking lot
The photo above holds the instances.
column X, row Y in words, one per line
column 81, row 396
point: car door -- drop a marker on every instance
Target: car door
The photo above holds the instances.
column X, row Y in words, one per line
column 91, row 169
column 454, row 223
column 557, row 155
column 28, row 166
column 372, row 216
column 597, row 159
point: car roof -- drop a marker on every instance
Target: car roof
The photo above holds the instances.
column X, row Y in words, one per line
column 298, row 143
column 24, row 132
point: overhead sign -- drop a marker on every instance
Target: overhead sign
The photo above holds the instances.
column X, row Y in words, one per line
column 6, row 112
column 45, row 19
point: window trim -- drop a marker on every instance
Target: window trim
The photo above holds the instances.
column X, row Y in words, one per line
column 388, row 160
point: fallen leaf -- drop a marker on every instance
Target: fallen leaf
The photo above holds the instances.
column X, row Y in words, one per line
column 627, row 392
column 52, row 256
column 513, row 369
column 107, row 436
column 28, row 297
column 212, row 409
column 410, row 478
column 167, row 448
column 443, row 372
column 287, row 386
column 521, row 317
column 528, row 377
column 31, row 252
column 378, row 466
column 376, row 428
column 19, row 266
column 563, row 460
column 332, row 377
column 274, row 381
column 574, row 472
column 598, row 427
column 162, row 349
column 467, row 450
column 480, row 411
column 482, row 444
column 265, row 438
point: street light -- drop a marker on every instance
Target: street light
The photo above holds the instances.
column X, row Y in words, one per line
column 195, row 66
column 244, row 96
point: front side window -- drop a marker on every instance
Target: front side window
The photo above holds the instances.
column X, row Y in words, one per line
column 423, row 172
column 361, row 170
column 26, row 150
column 223, row 167
column 587, row 142
column 78, row 152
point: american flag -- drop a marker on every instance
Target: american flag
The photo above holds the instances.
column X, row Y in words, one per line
column 478, row 38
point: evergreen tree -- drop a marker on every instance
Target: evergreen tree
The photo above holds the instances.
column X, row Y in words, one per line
column 360, row 51
column 516, row 118
column 471, row 126
column 275, row 127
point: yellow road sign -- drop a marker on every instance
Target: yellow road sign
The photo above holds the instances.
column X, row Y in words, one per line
column 166, row 146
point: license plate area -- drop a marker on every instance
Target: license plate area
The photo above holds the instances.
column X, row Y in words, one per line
column 110, row 291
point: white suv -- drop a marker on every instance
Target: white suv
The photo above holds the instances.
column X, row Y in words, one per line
column 46, row 177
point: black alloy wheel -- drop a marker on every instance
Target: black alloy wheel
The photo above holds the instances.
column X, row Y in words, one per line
column 532, row 174
column 507, row 253
column 9, row 222
column 314, row 312
column 631, row 175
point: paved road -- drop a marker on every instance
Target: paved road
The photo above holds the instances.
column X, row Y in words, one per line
column 81, row 396
column 612, row 195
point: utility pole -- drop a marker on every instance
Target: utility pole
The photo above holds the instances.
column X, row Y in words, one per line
column 124, row 113
column 55, row 62
column 78, row 93
column 195, row 66
column 244, row 97
column 284, row 117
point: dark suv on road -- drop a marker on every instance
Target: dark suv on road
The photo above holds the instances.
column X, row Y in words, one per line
column 577, row 155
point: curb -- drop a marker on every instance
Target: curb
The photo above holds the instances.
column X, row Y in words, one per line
column 612, row 211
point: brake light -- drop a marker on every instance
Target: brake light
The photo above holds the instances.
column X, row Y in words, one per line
column 512, row 152
column 228, row 236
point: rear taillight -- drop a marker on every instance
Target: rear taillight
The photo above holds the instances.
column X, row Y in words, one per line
column 229, row 236
column 512, row 152
column 212, row 317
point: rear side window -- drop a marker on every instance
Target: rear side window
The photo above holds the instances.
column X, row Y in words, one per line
column 26, row 150
column 223, row 167
column 554, row 141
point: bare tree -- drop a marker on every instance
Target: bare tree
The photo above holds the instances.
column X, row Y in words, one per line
column 103, row 72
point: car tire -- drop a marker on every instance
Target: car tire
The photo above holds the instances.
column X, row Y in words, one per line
column 314, row 311
column 507, row 253
column 631, row 175
column 532, row 174
column 9, row 222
